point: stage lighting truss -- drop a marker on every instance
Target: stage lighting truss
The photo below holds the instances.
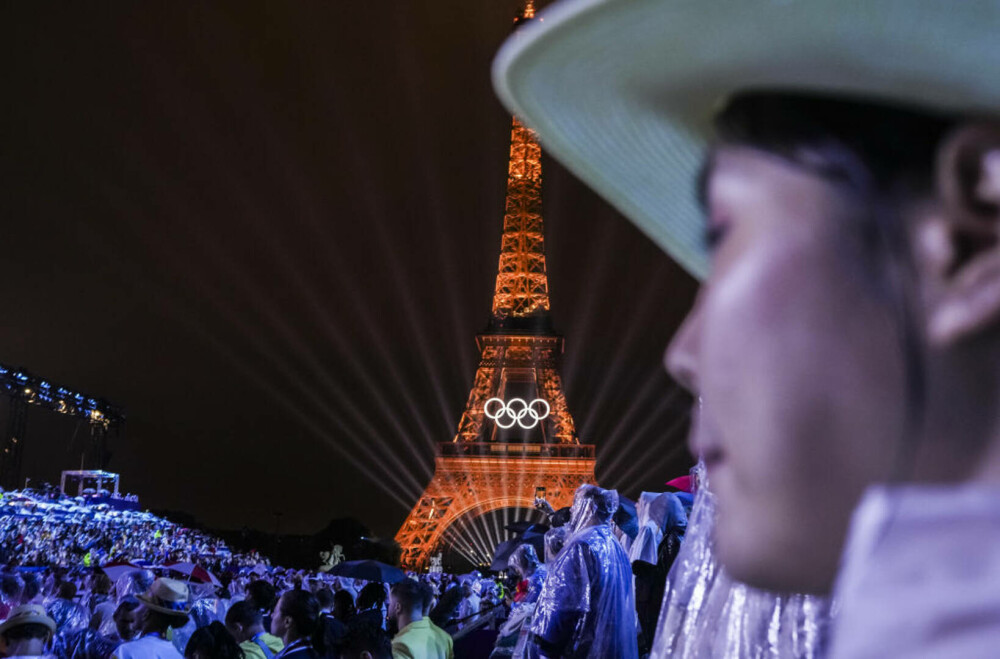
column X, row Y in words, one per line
column 20, row 384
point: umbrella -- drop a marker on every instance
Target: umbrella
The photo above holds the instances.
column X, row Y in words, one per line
column 193, row 571
column 503, row 551
column 368, row 570
column 117, row 570
column 626, row 518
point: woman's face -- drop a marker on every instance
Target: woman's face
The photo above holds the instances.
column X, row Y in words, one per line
column 797, row 364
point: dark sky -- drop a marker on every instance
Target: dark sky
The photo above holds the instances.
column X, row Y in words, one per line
column 269, row 231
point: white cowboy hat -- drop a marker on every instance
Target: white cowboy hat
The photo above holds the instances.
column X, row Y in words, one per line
column 27, row 614
column 623, row 91
column 167, row 596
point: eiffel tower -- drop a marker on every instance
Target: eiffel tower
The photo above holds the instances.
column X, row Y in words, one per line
column 507, row 449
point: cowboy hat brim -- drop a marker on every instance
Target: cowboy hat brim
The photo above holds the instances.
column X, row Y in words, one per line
column 153, row 605
column 35, row 618
column 622, row 92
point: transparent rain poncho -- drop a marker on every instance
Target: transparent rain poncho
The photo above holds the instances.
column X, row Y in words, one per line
column 707, row 614
column 658, row 512
column 82, row 644
column 554, row 541
column 133, row 583
column 11, row 587
column 587, row 607
column 69, row 616
column 206, row 608
column 513, row 635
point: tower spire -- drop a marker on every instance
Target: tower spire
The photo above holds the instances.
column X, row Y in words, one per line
column 521, row 296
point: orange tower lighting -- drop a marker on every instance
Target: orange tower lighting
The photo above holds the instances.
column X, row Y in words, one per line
column 516, row 436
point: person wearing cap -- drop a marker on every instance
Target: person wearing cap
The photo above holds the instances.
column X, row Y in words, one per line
column 166, row 604
column 586, row 608
column 26, row 632
column 830, row 171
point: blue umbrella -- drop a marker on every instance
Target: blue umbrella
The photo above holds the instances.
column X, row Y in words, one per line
column 369, row 571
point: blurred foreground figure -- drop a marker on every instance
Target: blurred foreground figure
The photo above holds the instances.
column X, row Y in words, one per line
column 831, row 170
column 707, row 614
column 586, row 607
column 26, row 632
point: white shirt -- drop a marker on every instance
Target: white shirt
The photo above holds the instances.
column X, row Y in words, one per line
column 921, row 575
column 147, row 647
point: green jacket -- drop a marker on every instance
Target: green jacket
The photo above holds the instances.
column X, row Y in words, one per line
column 422, row 640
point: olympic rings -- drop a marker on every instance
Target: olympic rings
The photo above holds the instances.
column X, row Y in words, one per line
column 516, row 410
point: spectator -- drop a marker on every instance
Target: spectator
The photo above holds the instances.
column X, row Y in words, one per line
column 126, row 620
column 418, row 637
column 586, row 607
column 212, row 642
column 370, row 602
column 10, row 594
column 31, row 593
column 262, row 596
column 296, row 621
column 324, row 596
column 471, row 604
column 343, row 606
column 246, row 624
column 26, row 632
column 165, row 605
column 364, row 641
column 447, row 607
column 100, row 603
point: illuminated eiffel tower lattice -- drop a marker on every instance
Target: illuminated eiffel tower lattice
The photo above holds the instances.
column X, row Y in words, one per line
column 516, row 434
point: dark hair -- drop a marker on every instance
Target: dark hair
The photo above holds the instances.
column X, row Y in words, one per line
column 325, row 598
column 303, row 608
column 343, row 603
column 10, row 586
column 213, row 641
column 27, row 631
column 447, row 606
column 886, row 155
column 262, row 595
column 127, row 604
column 867, row 145
column 410, row 594
column 365, row 637
column 243, row 613
column 371, row 595
column 67, row 590
column 102, row 583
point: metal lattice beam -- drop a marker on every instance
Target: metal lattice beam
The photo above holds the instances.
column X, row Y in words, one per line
column 25, row 389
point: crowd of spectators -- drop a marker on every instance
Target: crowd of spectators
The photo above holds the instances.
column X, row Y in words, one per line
column 51, row 530
column 93, row 583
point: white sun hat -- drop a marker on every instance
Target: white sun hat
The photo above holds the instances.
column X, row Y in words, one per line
column 622, row 92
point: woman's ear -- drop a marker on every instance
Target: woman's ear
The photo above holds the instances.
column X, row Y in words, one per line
column 958, row 246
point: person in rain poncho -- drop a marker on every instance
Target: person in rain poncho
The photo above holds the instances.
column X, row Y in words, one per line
column 514, row 633
column 586, row 607
column 659, row 512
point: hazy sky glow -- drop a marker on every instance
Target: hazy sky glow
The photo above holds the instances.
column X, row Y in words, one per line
column 270, row 231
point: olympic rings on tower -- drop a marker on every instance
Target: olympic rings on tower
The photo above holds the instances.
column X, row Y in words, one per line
column 507, row 414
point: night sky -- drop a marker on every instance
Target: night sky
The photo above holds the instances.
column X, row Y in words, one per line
column 269, row 231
